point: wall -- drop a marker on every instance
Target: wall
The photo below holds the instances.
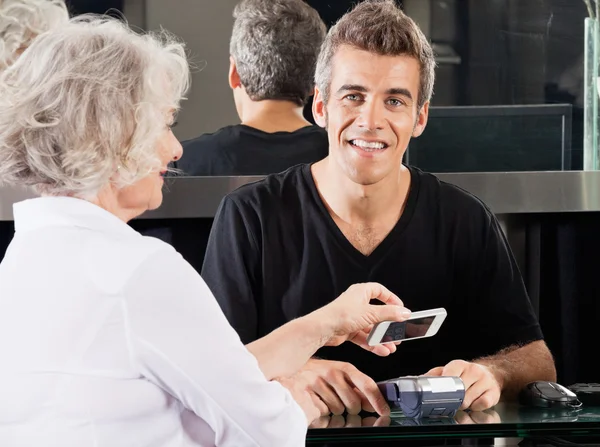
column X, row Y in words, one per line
column 205, row 25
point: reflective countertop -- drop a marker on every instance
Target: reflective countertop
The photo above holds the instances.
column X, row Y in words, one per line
column 502, row 421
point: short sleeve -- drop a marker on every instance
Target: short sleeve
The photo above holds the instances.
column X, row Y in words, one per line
column 231, row 268
column 497, row 306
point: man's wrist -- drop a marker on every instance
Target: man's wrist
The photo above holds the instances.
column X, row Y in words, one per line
column 496, row 368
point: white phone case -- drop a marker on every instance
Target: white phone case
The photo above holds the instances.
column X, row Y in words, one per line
column 380, row 329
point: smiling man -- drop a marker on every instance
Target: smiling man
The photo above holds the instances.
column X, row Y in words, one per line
column 291, row 243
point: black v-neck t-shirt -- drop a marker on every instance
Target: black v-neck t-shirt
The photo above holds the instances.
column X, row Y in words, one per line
column 275, row 254
column 244, row 150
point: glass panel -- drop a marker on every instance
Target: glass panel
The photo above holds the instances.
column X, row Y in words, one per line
column 591, row 95
column 511, row 58
column 505, row 420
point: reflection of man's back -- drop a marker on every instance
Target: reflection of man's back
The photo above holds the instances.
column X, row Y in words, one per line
column 273, row 52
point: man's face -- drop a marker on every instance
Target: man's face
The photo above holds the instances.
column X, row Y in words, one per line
column 371, row 113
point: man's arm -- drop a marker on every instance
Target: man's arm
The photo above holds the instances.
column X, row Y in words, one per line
column 500, row 376
column 515, row 367
column 501, row 330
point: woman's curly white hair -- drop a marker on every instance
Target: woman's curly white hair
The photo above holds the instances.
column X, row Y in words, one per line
column 22, row 20
column 85, row 105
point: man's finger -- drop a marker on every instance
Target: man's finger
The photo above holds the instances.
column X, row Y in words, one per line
column 437, row 371
column 328, row 396
column 365, row 404
column 486, row 400
column 350, row 400
column 321, row 406
column 370, row 391
column 314, row 411
column 455, row 369
column 473, row 391
column 468, row 377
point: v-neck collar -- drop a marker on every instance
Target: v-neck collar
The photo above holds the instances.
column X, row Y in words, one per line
column 381, row 250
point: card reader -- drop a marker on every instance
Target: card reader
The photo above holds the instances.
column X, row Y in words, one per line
column 421, row 397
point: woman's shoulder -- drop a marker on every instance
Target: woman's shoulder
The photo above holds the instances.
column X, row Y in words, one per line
column 118, row 259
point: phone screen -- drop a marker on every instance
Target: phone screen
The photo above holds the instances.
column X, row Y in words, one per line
column 407, row 329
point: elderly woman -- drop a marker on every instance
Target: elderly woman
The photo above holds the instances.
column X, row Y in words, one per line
column 109, row 338
column 22, row 20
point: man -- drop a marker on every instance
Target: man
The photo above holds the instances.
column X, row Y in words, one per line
column 274, row 48
column 288, row 244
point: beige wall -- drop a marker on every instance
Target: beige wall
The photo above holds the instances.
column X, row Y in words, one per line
column 205, row 25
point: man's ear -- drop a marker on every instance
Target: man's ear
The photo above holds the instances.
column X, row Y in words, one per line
column 234, row 77
column 421, row 120
column 318, row 109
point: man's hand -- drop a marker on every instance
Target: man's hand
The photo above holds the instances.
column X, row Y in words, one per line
column 340, row 387
column 352, row 316
column 482, row 387
column 307, row 401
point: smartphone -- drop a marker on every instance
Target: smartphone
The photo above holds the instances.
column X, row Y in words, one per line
column 421, row 324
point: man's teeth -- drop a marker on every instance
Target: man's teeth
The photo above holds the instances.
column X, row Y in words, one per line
column 368, row 145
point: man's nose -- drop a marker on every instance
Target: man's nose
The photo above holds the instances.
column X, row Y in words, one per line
column 371, row 116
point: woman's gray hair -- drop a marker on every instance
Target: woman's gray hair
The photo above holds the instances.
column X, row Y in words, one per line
column 275, row 44
column 380, row 27
column 85, row 106
column 22, row 20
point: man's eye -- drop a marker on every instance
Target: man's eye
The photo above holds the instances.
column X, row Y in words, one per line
column 353, row 97
column 395, row 102
column 173, row 124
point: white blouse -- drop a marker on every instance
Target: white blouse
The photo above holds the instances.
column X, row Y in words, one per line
column 109, row 338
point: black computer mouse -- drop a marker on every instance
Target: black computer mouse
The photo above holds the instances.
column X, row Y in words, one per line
column 548, row 395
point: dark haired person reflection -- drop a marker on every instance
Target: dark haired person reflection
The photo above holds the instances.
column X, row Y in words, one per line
column 273, row 51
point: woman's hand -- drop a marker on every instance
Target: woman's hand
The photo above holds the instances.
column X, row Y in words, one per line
column 283, row 352
column 351, row 316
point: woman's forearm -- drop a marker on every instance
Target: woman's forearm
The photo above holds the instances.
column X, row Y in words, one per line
column 285, row 350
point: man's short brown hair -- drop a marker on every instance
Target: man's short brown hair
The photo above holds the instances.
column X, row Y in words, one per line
column 380, row 27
